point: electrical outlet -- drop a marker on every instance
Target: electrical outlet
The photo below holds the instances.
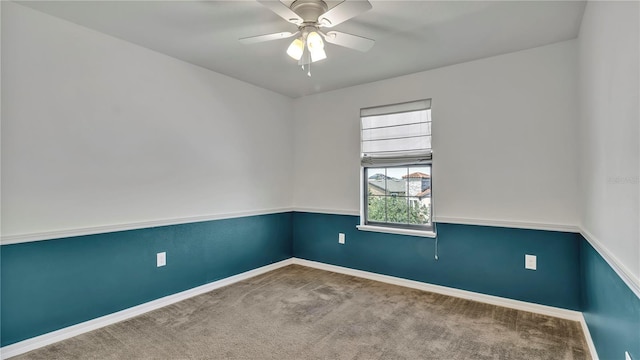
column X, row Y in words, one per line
column 340, row 238
column 530, row 262
column 627, row 356
column 161, row 259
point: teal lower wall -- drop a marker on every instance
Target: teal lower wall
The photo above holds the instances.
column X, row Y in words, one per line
column 488, row 260
column 49, row 285
column 610, row 308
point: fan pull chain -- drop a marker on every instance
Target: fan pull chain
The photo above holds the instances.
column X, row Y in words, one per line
column 308, row 69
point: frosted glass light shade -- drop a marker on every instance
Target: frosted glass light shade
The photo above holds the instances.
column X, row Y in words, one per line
column 318, row 54
column 314, row 41
column 296, row 49
column 316, row 46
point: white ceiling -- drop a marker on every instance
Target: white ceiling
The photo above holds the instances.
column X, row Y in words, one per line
column 411, row 36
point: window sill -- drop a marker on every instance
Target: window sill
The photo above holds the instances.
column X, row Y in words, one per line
column 390, row 230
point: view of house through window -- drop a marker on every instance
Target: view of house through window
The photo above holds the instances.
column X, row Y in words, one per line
column 399, row 195
column 396, row 162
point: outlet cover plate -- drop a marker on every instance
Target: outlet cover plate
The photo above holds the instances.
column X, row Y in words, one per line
column 341, row 238
column 530, row 262
column 161, row 259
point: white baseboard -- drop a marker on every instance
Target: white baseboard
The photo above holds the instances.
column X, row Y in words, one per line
column 75, row 330
column 464, row 294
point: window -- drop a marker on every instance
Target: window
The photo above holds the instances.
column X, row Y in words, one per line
column 396, row 167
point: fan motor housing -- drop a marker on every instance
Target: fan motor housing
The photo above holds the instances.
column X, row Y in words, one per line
column 309, row 10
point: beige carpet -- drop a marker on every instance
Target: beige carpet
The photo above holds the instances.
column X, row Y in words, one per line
column 301, row 313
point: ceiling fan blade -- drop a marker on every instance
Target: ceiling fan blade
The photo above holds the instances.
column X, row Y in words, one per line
column 267, row 37
column 343, row 12
column 282, row 10
column 350, row 41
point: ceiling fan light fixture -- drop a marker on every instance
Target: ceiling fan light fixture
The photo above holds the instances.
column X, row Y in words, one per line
column 296, row 49
column 316, row 46
column 318, row 54
column 314, row 41
column 311, row 16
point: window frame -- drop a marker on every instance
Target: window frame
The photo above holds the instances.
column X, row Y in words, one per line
column 412, row 161
column 413, row 229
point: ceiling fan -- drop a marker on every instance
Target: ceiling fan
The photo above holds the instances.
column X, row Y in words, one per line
column 312, row 17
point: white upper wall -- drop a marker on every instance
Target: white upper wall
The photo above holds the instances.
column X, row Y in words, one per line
column 97, row 131
column 504, row 138
column 609, row 45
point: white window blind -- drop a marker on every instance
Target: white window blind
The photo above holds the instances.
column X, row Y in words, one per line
column 396, row 134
